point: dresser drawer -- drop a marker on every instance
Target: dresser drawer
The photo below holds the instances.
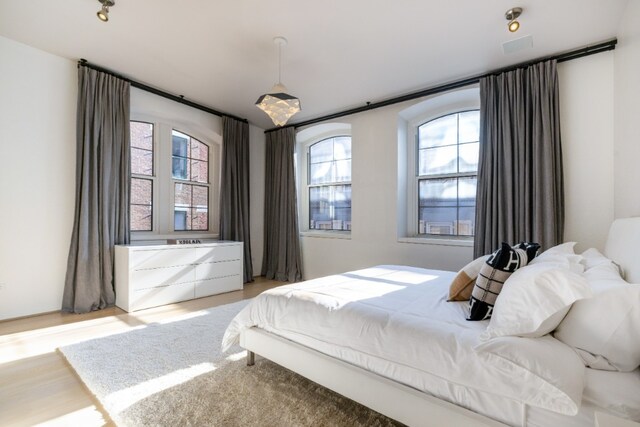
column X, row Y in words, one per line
column 146, row 298
column 144, row 259
column 217, row 286
column 220, row 253
column 214, row 270
column 143, row 279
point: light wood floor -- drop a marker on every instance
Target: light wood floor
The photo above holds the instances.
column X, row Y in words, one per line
column 38, row 387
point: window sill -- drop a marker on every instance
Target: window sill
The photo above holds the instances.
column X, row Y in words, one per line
column 436, row 241
column 345, row 235
column 145, row 236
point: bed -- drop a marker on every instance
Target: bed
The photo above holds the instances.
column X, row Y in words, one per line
column 387, row 338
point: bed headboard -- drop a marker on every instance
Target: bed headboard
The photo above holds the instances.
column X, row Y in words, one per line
column 623, row 247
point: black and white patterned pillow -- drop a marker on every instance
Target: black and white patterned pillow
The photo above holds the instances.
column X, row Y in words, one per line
column 500, row 265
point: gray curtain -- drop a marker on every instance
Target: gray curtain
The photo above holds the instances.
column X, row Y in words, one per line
column 234, row 188
column 281, row 259
column 102, row 190
column 520, row 193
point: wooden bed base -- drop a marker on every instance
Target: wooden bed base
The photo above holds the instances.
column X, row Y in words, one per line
column 395, row 400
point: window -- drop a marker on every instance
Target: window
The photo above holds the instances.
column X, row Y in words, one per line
column 329, row 184
column 141, row 202
column 190, row 164
column 173, row 180
column 447, row 165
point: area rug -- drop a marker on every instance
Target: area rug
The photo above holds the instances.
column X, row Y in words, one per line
column 174, row 374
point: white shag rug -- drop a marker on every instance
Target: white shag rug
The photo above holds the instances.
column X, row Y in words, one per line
column 174, row 374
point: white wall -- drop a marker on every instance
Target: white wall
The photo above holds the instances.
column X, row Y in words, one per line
column 37, row 173
column 37, row 177
column 586, row 108
column 627, row 114
column 587, row 136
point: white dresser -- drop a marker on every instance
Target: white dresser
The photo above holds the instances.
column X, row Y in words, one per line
column 148, row 276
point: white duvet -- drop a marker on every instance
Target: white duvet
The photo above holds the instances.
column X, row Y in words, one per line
column 395, row 321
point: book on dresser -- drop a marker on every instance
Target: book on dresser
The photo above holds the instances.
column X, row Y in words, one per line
column 152, row 275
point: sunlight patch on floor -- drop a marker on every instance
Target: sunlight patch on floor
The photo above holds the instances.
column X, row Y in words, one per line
column 82, row 417
column 237, row 356
column 122, row 399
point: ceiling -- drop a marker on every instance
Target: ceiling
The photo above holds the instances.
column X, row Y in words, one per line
column 341, row 53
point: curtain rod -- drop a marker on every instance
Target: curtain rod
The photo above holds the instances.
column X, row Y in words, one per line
column 180, row 99
column 562, row 57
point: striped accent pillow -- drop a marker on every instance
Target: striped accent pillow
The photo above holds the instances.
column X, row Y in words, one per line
column 499, row 266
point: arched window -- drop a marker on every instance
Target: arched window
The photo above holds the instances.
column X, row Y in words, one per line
column 447, row 169
column 329, row 184
column 174, row 181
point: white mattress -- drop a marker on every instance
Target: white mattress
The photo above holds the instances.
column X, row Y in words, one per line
column 409, row 334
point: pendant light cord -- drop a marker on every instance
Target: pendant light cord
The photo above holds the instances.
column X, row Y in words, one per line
column 280, row 63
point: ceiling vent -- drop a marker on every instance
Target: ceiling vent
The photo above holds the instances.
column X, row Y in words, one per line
column 517, row 45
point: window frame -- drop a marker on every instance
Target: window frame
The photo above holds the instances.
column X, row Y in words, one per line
column 317, row 134
column 188, row 181
column 418, row 178
column 163, row 191
column 431, row 109
column 151, row 177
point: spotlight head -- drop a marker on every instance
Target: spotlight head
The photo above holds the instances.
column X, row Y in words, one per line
column 511, row 15
column 103, row 13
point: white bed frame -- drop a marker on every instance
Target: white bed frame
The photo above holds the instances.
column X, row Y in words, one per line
column 395, row 400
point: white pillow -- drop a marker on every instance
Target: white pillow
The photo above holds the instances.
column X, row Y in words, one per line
column 562, row 255
column 605, row 329
column 592, row 257
column 549, row 374
column 534, row 300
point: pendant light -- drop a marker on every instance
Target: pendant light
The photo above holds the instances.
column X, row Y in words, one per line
column 277, row 103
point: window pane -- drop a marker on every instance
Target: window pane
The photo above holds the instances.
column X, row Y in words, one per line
column 437, row 220
column 342, row 147
column 199, row 171
column 438, row 192
column 180, row 220
column 469, row 126
column 199, row 150
column 180, row 167
column 467, row 191
column 319, row 209
column 466, row 221
column 200, row 197
column 141, row 191
column 140, row 218
column 180, row 144
column 321, row 151
column 439, row 132
column 182, row 195
column 342, row 171
column 330, row 207
column 320, row 173
column 191, row 207
column 141, row 135
column 141, row 161
column 199, row 219
column 438, row 160
column 468, row 161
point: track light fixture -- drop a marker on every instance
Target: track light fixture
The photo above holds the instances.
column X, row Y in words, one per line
column 511, row 15
column 103, row 13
